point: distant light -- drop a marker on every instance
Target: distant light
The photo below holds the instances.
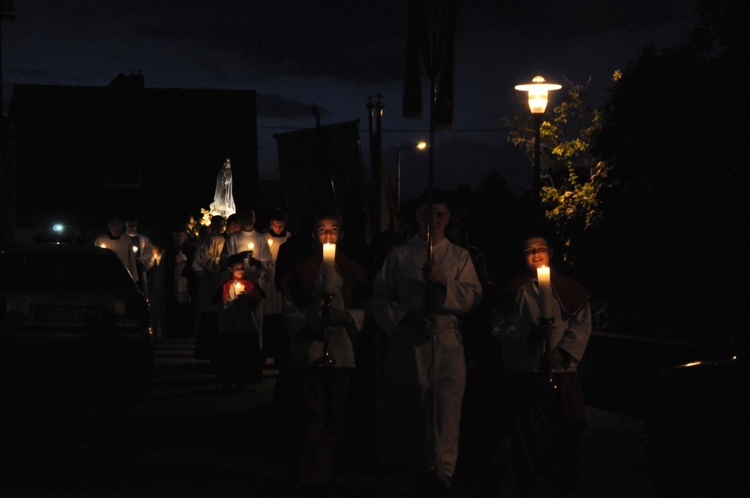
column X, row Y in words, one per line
column 422, row 145
column 58, row 228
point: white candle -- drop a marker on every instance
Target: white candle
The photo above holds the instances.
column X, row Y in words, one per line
column 251, row 246
column 270, row 242
column 545, row 291
column 329, row 259
column 239, row 288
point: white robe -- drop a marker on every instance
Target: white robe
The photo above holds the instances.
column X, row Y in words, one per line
column 424, row 377
column 520, row 354
column 123, row 247
column 273, row 301
column 207, row 263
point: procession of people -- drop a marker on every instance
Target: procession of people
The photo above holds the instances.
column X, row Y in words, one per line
column 409, row 396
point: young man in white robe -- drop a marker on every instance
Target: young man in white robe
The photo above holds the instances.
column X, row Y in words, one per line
column 417, row 303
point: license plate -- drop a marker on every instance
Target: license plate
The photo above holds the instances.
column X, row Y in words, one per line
column 53, row 313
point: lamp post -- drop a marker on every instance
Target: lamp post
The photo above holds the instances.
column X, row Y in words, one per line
column 538, row 91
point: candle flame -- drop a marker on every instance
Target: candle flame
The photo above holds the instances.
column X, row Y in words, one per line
column 270, row 242
column 251, row 246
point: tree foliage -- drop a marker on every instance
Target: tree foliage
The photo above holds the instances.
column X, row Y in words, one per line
column 670, row 131
column 571, row 175
column 648, row 190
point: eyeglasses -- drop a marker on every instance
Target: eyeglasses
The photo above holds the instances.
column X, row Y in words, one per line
column 539, row 250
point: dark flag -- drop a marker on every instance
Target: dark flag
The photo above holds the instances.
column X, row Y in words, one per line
column 443, row 111
column 432, row 34
column 412, row 103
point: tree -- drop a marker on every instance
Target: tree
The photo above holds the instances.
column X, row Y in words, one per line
column 670, row 132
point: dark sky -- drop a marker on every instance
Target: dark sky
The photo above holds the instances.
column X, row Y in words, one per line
column 336, row 54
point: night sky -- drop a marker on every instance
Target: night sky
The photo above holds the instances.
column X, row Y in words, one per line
column 336, row 54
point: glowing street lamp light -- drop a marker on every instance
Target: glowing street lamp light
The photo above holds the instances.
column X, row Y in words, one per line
column 538, row 91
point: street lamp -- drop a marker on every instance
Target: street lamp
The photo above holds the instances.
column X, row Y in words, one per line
column 538, row 91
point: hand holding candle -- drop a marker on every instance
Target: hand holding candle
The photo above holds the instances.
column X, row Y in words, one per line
column 329, row 261
column 545, row 291
column 239, row 288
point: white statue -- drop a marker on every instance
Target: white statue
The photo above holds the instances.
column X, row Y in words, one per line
column 223, row 200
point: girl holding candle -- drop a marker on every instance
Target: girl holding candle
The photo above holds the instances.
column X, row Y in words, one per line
column 543, row 331
column 237, row 355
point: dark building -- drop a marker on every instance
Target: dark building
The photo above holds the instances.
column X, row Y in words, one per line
column 83, row 154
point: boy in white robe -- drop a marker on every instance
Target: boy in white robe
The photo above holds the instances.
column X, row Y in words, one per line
column 417, row 303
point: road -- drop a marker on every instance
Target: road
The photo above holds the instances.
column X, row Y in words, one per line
column 187, row 438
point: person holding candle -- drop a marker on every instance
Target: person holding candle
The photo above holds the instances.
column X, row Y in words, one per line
column 324, row 298
column 258, row 261
column 116, row 240
column 237, row 354
column 543, row 329
column 423, row 288
column 275, row 339
column 143, row 251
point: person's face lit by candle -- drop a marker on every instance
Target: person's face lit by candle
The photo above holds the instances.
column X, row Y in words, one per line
column 537, row 252
column 238, row 272
column 276, row 227
column 329, row 231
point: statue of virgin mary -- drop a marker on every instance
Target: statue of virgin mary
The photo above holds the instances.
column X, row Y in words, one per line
column 223, row 204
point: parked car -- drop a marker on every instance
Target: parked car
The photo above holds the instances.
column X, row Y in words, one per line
column 698, row 432
column 72, row 321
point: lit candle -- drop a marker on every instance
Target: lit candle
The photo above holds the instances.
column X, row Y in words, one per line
column 329, row 259
column 104, row 246
column 239, row 288
column 135, row 249
column 545, row 291
column 270, row 243
column 251, row 246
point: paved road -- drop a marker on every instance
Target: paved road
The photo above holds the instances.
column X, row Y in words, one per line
column 190, row 439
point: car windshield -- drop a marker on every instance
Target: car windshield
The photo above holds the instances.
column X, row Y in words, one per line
column 55, row 271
